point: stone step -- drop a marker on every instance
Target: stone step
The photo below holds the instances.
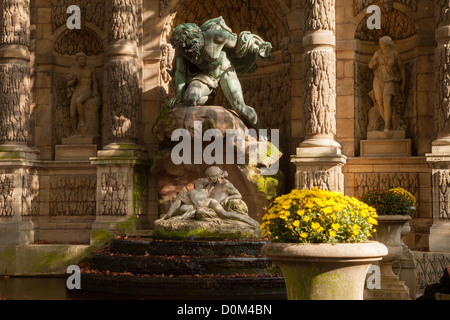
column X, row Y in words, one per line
column 187, row 247
column 183, row 269
column 202, row 288
column 380, row 294
column 180, row 265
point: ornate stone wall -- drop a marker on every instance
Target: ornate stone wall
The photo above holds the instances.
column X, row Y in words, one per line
column 316, row 86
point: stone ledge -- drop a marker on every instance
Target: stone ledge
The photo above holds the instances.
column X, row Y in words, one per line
column 40, row 259
column 206, row 230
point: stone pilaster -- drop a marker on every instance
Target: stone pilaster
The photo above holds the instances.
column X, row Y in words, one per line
column 318, row 158
column 18, row 178
column 440, row 156
column 121, row 165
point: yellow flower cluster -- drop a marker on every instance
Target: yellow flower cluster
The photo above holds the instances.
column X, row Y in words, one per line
column 318, row 216
column 405, row 194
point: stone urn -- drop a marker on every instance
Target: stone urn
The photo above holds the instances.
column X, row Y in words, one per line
column 406, row 229
column 389, row 232
column 324, row 271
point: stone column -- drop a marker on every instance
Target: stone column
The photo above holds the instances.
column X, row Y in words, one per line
column 18, row 179
column 318, row 158
column 15, row 74
column 440, row 156
column 121, row 164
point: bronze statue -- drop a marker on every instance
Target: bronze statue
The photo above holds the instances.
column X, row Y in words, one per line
column 212, row 56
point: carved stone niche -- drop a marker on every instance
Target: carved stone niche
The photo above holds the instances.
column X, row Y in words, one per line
column 372, row 136
column 76, row 98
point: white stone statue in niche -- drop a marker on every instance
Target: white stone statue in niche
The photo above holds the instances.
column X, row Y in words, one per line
column 388, row 89
column 85, row 99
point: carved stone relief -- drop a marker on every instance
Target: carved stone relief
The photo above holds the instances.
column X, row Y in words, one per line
column 365, row 182
column 394, row 23
column 443, row 182
column 318, row 179
column 124, row 20
column 91, row 11
column 442, row 93
column 442, row 12
column 73, row 195
column 360, row 5
column 15, row 25
column 30, row 194
column 162, row 7
column 261, row 17
column 70, row 42
column 166, row 88
column 6, row 195
column 319, row 99
column 14, row 101
column 114, row 188
column 319, row 15
column 123, row 82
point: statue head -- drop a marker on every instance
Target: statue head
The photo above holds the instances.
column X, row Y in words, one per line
column 81, row 58
column 386, row 41
column 201, row 183
column 189, row 38
column 215, row 174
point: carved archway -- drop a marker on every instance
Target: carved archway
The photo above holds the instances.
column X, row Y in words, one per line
column 90, row 39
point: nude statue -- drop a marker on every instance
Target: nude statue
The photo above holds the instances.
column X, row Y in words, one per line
column 83, row 82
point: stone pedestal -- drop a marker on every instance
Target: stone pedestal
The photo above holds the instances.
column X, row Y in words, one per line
column 391, row 289
column 20, row 195
column 439, row 239
column 319, row 167
column 389, row 230
column 75, row 152
column 121, row 192
column 386, row 144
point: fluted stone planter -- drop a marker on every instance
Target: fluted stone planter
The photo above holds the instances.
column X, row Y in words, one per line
column 324, row 271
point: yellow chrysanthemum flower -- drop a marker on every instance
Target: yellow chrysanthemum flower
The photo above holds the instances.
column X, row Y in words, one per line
column 315, row 225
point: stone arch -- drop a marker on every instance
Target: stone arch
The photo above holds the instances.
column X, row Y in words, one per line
column 70, row 42
column 394, row 23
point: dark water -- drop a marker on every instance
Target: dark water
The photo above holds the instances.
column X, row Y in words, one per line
column 47, row 288
column 26, row 288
